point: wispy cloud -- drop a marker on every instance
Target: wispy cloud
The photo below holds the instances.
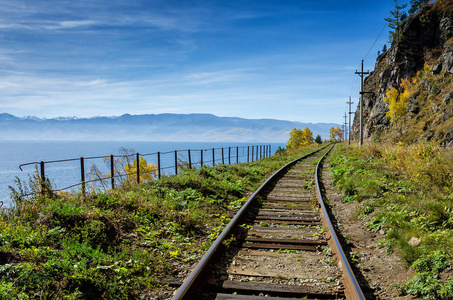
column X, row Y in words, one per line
column 46, row 25
column 74, row 24
column 92, row 83
column 226, row 76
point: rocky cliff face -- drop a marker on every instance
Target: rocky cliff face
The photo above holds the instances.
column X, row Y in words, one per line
column 424, row 56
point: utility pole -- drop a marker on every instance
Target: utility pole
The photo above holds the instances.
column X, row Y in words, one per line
column 361, row 74
column 345, row 127
column 342, row 127
column 349, row 137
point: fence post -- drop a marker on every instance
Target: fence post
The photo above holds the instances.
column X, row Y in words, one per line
column 190, row 160
column 248, row 153
column 112, row 171
column 176, row 162
column 201, row 157
column 237, row 154
column 43, row 178
column 253, row 152
column 257, row 152
column 158, row 165
column 223, row 158
column 138, row 168
column 82, row 176
column 213, row 157
column 261, row 151
column 229, row 155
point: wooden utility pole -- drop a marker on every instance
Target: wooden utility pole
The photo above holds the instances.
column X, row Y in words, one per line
column 342, row 134
column 349, row 137
column 345, row 127
column 361, row 74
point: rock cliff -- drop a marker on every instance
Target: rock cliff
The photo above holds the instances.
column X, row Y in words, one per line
column 424, row 60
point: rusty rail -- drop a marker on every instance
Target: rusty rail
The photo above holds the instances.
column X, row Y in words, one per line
column 352, row 287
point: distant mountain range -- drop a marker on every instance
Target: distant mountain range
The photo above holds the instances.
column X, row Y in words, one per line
column 154, row 127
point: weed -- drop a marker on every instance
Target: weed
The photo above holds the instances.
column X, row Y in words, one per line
column 327, row 250
column 352, row 258
column 427, row 282
column 349, row 198
column 300, row 259
column 407, row 189
column 330, row 280
column 365, row 212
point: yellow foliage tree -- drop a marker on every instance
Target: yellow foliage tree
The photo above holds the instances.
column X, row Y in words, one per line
column 147, row 171
column 397, row 100
column 307, row 137
column 299, row 138
column 335, row 134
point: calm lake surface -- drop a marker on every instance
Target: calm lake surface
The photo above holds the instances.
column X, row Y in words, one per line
column 13, row 154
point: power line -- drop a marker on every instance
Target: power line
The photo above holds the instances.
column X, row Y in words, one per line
column 382, row 30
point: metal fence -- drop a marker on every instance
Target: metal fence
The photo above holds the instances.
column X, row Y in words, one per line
column 163, row 163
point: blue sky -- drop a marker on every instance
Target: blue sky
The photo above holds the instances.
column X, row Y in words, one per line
column 288, row 60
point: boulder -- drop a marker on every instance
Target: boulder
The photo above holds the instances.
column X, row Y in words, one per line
column 447, row 62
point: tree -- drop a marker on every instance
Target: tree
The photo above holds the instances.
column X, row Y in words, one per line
column 403, row 17
column 416, row 5
column 395, row 21
column 318, row 139
column 384, row 48
column 299, row 138
column 335, row 134
column 307, row 136
column 148, row 172
column 397, row 100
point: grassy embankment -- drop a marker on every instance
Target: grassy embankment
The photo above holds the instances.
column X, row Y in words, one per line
column 406, row 191
column 120, row 244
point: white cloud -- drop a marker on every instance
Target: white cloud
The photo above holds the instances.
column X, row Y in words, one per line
column 74, row 24
column 202, row 78
column 92, row 83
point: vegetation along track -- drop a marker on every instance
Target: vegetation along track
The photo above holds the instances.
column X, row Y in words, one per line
column 279, row 244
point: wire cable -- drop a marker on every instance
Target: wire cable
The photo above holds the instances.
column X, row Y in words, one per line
column 371, row 48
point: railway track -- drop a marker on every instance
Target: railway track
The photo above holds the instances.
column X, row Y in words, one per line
column 279, row 245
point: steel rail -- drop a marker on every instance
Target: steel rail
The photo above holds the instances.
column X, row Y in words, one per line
column 190, row 287
column 352, row 287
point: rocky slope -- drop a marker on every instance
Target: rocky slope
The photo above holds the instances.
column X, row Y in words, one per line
column 424, row 57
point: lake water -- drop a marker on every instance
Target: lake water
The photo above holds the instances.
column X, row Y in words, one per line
column 63, row 174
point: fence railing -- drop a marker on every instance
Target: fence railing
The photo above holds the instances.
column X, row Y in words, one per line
column 166, row 163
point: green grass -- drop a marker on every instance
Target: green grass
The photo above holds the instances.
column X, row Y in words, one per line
column 121, row 244
column 408, row 192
